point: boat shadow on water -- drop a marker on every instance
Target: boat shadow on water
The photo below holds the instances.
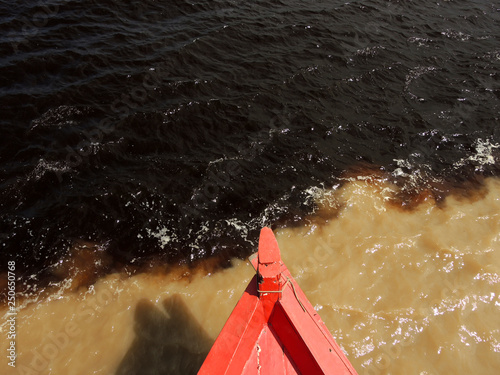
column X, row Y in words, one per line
column 166, row 342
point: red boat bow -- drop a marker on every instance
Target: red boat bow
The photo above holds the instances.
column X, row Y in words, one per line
column 274, row 329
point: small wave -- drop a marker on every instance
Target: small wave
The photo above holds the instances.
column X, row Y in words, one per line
column 485, row 155
column 61, row 116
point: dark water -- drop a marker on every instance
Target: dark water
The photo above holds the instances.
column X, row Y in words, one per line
column 176, row 129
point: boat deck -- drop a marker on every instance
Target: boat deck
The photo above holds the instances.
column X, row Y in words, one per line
column 274, row 329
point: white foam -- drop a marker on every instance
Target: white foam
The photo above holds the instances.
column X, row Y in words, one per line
column 483, row 156
column 163, row 236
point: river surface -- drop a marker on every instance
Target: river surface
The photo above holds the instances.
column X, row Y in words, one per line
column 145, row 144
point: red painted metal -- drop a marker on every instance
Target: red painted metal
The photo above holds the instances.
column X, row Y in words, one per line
column 274, row 329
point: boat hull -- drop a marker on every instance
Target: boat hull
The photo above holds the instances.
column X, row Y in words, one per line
column 274, row 329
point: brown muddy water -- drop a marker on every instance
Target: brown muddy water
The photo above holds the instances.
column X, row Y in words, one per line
column 403, row 291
